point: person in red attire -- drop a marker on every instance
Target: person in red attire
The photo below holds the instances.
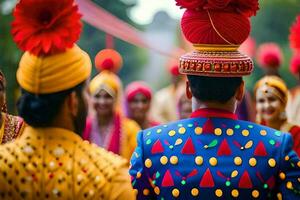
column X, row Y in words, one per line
column 138, row 102
column 271, row 99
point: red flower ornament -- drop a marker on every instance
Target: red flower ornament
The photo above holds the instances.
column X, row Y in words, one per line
column 46, row 27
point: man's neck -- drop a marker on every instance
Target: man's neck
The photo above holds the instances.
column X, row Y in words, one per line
column 228, row 106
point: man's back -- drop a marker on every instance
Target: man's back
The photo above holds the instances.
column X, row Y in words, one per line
column 54, row 163
column 214, row 156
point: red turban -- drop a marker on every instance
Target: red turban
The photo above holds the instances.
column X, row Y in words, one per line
column 138, row 87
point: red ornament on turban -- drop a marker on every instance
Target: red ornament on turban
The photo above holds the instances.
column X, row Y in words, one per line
column 108, row 59
column 269, row 55
column 45, row 27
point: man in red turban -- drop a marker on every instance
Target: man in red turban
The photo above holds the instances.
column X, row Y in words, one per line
column 213, row 155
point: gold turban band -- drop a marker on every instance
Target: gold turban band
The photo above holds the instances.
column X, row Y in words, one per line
column 55, row 73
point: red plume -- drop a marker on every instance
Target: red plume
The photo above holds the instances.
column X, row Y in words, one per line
column 295, row 64
column 269, row 55
column 295, row 35
column 108, row 59
column 45, row 27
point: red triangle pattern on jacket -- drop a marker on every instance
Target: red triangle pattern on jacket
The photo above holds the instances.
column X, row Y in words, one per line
column 207, row 180
column 224, row 149
column 245, row 181
column 167, row 180
column 188, row 147
column 208, row 126
column 260, row 150
column 157, row 147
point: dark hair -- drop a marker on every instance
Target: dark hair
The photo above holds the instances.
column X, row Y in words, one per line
column 41, row 110
column 214, row 88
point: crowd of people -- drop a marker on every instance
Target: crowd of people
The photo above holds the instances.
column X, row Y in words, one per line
column 83, row 137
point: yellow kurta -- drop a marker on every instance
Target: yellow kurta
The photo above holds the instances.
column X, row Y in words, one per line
column 130, row 130
column 54, row 163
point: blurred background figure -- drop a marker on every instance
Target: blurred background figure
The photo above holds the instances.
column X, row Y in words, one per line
column 293, row 108
column 271, row 99
column 270, row 58
column 164, row 109
column 106, row 124
column 11, row 127
column 138, row 100
column 184, row 104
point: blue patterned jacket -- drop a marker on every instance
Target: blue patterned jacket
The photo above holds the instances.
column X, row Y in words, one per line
column 215, row 156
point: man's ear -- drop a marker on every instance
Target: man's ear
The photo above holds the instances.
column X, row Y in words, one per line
column 73, row 103
column 188, row 91
column 239, row 95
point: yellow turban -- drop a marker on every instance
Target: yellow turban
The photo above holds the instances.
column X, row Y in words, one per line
column 279, row 87
column 111, row 83
column 55, row 73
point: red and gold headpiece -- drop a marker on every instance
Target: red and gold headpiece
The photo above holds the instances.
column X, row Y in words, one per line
column 216, row 29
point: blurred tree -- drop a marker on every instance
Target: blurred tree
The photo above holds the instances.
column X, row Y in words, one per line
column 93, row 40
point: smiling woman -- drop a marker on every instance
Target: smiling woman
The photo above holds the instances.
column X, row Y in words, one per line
column 271, row 98
column 106, row 125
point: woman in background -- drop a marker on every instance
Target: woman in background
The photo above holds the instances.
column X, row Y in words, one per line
column 11, row 127
column 271, row 98
column 106, row 125
column 138, row 102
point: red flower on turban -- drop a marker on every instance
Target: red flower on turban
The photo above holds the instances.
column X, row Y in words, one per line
column 45, row 27
column 295, row 35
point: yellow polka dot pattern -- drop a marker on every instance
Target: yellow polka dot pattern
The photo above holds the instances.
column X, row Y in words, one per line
column 146, row 192
column 238, row 161
column 213, row 161
column 164, row 160
column 263, row 132
column 289, row 185
column 252, row 162
column 229, row 132
column 218, row 131
column 255, row 193
column 174, row 160
column 245, row 133
column 172, row 133
column 195, row 192
column 181, row 130
column 175, row 193
column 219, row 193
column 198, row 130
column 235, row 193
column 157, row 190
column 199, row 160
column 148, row 163
column 272, row 162
column 282, row 176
